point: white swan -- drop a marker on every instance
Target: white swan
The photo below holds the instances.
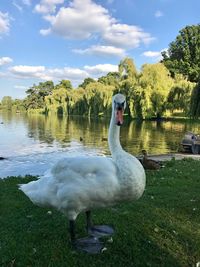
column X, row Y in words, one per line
column 80, row 184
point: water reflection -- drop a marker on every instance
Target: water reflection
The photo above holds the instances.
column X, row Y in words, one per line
column 155, row 137
column 26, row 135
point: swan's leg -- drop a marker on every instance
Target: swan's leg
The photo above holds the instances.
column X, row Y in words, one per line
column 72, row 230
column 97, row 230
column 90, row 245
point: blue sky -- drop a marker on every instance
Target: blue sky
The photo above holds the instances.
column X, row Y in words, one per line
column 76, row 39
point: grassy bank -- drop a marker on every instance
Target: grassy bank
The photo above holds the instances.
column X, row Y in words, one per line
column 161, row 229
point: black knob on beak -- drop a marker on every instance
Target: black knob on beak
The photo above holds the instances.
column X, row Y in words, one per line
column 119, row 106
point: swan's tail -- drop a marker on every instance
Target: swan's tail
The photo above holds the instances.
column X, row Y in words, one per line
column 41, row 192
column 31, row 190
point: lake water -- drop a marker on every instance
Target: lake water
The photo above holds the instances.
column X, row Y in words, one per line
column 33, row 143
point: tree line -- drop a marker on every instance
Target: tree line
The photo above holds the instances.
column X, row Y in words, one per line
column 162, row 89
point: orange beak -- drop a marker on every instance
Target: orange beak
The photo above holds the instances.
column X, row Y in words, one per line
column 119, row 116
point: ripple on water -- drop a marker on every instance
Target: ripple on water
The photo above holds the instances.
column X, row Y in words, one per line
column 38, row 162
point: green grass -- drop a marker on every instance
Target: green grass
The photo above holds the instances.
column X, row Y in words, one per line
column 160, row 229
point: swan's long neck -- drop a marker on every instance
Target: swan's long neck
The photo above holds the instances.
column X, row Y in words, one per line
column 114, row 136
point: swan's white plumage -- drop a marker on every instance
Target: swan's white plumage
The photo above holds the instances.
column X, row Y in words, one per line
column 83, row 183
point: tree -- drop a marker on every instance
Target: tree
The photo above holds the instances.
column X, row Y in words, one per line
column 180, row 95
column 18, row 105
column 77, row 105
column 98, row 98
column 57, row 102
column 195, row 102
column 65, row 84
column 128, row 81
column 37, row 93
column 86, row 82
column 154, row 86
column 112, row 78
column 6, row 103
column 183, row 54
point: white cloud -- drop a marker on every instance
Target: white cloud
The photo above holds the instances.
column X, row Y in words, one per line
column 75, row 75
column 5, row 60
column 100, row 69
column 67, row 73
column 4, row 23
column 158, row 14
column 43, row 73
column 47, row 6
column 80, row 20
column 154, row 54
column 102, row 50
column 45, row 32
column 123, row 35
column 83, row 19
column 22, row 71
column 151, row 53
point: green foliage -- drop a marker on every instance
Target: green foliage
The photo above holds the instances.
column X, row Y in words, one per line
column 98, row 98
column 180, row 95
column 36, row 95
column 128, row 83
column 112, row 78
column 183, row 55
column 86, row 82
column 6, row 103
column 195, row 102
column 65, row 84
column 18, row 105
column 155, row 84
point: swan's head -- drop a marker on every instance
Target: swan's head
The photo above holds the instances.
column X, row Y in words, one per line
column 119, row 105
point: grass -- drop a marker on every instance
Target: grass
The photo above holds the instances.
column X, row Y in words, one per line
column 160, row 229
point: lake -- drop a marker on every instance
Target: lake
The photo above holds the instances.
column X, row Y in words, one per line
column 33, row 143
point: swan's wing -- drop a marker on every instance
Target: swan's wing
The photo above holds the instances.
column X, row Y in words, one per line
column 83, row 167
column 76, row 184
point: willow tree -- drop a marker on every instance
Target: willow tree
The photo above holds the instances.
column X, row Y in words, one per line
column 57, row 102
column 128, row 82
column 98, row 98
column 195, row 102
column 180, row 95
column 76, row 102
column 155, row 84
column 6, row 103
column 18, row 105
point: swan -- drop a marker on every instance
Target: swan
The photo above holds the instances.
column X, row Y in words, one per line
column 80, row 184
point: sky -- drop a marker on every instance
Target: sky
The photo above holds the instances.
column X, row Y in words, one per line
column 75, row 39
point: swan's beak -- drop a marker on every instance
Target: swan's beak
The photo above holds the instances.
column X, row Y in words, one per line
column 119, row 116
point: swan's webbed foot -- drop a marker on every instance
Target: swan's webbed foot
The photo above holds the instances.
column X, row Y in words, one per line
column 89, row 245
column 100, row 230
column 97, row 230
